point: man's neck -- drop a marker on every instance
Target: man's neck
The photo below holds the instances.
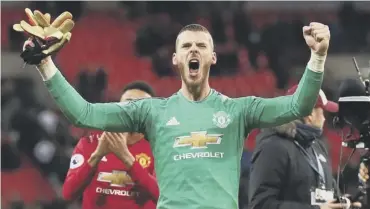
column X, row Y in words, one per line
column 195, row 93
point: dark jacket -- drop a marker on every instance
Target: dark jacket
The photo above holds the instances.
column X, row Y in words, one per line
column 281, row 176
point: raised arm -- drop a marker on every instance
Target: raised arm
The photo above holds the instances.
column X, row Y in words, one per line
column 122, row 117
column 260, row 113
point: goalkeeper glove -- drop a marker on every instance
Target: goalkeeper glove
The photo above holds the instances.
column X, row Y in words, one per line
column 45, row 39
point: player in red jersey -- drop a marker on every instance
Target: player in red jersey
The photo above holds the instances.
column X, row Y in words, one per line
column 114, row 170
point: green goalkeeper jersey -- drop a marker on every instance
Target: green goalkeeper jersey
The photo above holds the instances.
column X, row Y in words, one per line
column 197, row 145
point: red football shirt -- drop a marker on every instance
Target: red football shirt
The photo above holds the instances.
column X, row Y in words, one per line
column 111, row 185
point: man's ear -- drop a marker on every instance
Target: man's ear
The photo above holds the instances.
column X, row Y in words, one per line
column 308, row 119
column 174, row 59
column 214, row 58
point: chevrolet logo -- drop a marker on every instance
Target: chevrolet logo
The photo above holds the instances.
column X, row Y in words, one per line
column 116, row 178
column 198, row 140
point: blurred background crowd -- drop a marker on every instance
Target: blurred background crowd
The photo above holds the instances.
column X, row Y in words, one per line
column 260, row 52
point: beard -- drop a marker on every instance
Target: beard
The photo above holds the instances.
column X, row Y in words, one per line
column 188, row 80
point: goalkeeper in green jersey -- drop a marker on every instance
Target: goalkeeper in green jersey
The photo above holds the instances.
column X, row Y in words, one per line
column 197, row 134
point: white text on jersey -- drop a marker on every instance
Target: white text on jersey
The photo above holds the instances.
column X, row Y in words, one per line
column 117, row 192
column 198, row 155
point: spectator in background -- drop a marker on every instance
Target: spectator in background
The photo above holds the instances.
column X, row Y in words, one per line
column 29, row 128
column 95, row 166
column 92, row 86
column 10, row 103
column 218, row 27
column 10, row 156
column 291, row 166
column 22, row 121
column 242, row 26
column 161, row 63
column 226, row 45
column 157, row 33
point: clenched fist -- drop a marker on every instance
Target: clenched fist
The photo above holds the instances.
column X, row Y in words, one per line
column 317, row 36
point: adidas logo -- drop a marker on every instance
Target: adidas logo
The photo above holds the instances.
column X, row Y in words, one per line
column 104, row 159
column 172, row 122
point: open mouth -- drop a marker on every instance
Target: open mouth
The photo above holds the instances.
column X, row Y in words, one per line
column 194, row 65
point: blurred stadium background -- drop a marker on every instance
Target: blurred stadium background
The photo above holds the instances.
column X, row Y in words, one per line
column 260, row 52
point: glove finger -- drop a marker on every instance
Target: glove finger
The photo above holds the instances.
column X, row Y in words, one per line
column 56, row 47
column 51, row 32
column 47, row 17
column 39, row 17
column 33, row 30
column 61, row 18
column 68, row 36
column 31, row 17
column 66, row 26
column 18, row 28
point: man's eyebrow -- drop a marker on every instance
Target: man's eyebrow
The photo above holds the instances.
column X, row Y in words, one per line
column 201, row 43
column 185, row 44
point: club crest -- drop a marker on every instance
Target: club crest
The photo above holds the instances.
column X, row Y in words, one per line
column 221, row 119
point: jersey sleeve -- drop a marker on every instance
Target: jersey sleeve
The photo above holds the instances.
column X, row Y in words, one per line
column 267, row 112
column 145, row 180
column 80, row 172
column 116, row 117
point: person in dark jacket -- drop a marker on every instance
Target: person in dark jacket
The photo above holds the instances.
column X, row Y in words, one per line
column 290, row 164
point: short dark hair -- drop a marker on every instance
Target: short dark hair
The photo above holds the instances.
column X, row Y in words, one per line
column 194, row 27
column 139, row 85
